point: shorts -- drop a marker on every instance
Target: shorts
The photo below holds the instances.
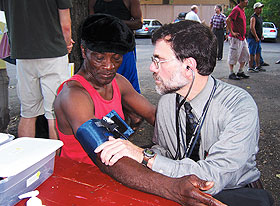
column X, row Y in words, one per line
column 38, row 81
column 254, row 47
column 238, row 51
column 129, row 71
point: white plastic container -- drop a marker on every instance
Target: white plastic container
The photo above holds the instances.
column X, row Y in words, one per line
column 4, row 138
column 25, row 163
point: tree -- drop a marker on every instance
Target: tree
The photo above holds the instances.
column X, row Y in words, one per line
column 78, row 13
column 271, row 11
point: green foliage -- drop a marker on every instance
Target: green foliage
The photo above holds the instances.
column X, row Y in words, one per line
column 271, row 11
column 249, row 11
column 227, row 11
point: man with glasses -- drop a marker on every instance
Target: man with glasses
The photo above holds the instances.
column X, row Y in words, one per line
column 203, row 126
column 96, row 90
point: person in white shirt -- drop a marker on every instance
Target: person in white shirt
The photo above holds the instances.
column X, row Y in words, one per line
column 192, row 15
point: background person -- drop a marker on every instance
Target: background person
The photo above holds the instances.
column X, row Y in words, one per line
column 192, row 15
column 217, row 25
column 94, row 91
column 254, row 38
column 238, row 47
column 40, row 43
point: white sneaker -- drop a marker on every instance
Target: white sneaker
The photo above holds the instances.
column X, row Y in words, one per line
column 252, row 70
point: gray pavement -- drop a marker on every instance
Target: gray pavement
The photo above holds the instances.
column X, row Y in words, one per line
column 264, row 87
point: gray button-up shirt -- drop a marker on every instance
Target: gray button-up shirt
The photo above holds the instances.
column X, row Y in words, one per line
column 229, row 137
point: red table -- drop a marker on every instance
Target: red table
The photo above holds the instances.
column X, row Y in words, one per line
column 74, row 183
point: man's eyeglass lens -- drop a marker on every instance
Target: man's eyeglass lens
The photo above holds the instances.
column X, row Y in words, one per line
column 157, row 61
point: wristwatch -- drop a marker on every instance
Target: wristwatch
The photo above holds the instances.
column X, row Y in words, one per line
column 148, row 154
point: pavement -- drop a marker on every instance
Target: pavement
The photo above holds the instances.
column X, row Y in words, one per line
column 263, row 86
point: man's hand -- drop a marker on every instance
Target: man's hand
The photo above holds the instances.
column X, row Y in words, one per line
column 235, row 34
column 115, row 149
column 187, row 190
column 70, row 46
column 226, row 37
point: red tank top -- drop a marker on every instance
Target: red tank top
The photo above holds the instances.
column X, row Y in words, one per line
column 72, row 148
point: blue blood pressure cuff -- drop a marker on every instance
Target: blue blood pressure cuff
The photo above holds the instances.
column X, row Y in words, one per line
column 94, row 132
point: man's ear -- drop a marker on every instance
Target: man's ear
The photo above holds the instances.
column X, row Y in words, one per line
column 83, row 50
column 190, row 63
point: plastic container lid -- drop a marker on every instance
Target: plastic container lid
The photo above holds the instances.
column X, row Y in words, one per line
column 22, row 153
column 4, row 138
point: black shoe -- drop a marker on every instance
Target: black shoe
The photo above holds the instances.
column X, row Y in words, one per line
column 260, row 69
column 233, row 77
column 264, row 64
column 219, row 59
column 278, row 62
column 242, row 75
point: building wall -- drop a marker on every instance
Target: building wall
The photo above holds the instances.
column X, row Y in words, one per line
column 166, row 13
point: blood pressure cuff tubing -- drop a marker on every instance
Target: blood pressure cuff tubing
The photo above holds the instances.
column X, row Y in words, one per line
column 91, row 134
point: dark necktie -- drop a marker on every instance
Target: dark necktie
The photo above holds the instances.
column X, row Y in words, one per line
column 190, row 127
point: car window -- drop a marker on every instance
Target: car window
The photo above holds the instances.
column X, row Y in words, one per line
column 146, row 23
column 268, row 25
column 158, row 23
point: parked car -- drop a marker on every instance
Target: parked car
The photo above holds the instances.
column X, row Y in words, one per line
column 149, row 26
column 269, row 31
column 181, row 16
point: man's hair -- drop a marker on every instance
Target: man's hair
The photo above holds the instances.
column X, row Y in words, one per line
column 106, row 33
column 238, row 1
column 219, row 7
column 194, row 7
column 190, row 39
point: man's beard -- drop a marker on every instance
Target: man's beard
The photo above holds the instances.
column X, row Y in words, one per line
column 176, row 82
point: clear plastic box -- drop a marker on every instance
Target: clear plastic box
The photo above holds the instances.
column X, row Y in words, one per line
column 4, row 138
column 25, row 163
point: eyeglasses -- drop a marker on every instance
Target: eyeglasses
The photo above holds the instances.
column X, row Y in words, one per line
column 156, row 61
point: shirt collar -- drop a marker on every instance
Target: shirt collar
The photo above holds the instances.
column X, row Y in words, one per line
column 200, row 100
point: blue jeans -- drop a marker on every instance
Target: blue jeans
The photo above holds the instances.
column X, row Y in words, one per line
column 254, row 47
column 258, row 49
